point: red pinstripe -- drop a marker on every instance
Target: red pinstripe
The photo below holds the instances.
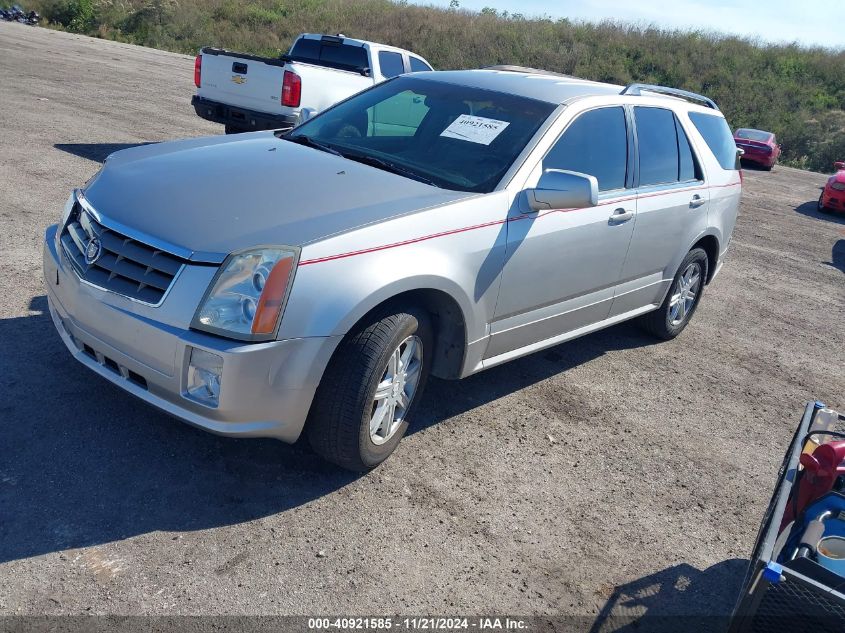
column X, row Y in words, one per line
column 424, row 238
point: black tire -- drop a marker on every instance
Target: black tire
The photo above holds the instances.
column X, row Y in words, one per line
column 821, row 207
column 660, row 322
column 338, row 425
column 233, row 129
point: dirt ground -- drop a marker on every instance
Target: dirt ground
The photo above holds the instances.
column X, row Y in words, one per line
column 646, row 499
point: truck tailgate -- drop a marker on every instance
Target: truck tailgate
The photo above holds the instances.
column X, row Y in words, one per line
column 242, row 81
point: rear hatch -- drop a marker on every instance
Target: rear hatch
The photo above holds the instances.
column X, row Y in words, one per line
column 753, row 147
column 244, row 81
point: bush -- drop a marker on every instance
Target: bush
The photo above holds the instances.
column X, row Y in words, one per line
column 76, row 15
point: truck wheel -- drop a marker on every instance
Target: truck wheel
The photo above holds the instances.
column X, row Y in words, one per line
column 680, row 303
column 371, row 386
column 233, row 129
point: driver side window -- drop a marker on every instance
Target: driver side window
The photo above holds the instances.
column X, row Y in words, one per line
column 595, row 143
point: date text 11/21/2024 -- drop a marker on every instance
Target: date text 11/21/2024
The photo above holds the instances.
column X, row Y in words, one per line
column 417, row 624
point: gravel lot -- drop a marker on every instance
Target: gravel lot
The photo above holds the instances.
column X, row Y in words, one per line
column 608, row 475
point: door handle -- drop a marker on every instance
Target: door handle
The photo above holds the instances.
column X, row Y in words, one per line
column 696, row 201
column 621, row 215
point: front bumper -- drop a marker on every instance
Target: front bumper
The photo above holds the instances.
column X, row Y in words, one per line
column 249, row 120
column 833, row 199
column 266, row 388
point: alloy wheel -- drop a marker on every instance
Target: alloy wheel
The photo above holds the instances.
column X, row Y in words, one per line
column 395, row 391
column 684, row 294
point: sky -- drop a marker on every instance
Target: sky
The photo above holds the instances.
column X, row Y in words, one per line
column 808, row 22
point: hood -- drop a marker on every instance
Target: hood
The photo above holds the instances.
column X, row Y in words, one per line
column 221, row 194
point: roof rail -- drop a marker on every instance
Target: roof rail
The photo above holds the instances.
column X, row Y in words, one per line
column 524, row 69
column 636, row 90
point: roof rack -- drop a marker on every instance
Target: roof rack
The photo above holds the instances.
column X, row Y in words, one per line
column 525, row 69
column 636, row 90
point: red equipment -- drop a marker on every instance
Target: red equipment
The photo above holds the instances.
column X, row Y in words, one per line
column 820, row 472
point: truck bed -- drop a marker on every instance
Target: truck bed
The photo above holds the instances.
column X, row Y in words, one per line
column 245, row 90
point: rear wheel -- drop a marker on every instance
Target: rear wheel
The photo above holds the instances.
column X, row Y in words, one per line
column 680, row 303
column 369, row 390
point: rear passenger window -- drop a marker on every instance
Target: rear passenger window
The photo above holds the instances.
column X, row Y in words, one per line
column 665, row 152
column 716, row 133
column 418, row 65
column 596, row 143
column 657, row 141
column 391, row 64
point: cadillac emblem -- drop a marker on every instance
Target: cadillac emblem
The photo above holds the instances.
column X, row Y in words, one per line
column 93, row 250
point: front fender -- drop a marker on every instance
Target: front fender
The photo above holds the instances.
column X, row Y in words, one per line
column 456, row 249
column 331, row 296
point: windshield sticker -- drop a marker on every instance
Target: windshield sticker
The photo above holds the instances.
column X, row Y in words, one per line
column 475, row 129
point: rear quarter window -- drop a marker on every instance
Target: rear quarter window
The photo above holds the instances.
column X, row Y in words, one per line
column 687, row 165
column 716, row 133
column 418, row 65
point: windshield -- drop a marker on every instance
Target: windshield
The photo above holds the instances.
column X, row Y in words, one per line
column 450, row 136
column 754, row 135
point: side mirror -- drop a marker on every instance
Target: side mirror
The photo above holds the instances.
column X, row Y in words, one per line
column 305, row 114
column 561, row 189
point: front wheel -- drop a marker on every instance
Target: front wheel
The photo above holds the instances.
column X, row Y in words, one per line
column 821, row 207
column 680, row 303
column 371, row 386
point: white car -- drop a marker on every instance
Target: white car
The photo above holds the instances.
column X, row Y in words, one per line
column 246, row 92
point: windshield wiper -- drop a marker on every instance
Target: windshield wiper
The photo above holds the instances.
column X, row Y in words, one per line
column 302, row 139
column 389, row 166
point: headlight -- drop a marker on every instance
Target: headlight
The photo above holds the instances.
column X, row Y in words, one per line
column 839, row 186
column 247, row 296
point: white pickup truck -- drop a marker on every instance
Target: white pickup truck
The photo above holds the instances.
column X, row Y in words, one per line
column 245, row 92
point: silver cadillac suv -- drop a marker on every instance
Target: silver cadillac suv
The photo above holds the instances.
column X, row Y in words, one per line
column 267, row 284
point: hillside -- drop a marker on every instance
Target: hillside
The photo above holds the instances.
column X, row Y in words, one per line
column 797, row 92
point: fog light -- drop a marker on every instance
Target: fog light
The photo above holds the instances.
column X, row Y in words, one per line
column 204, row 376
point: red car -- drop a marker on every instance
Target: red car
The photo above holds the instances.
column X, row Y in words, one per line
column 833, row 194
column 760, row 147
